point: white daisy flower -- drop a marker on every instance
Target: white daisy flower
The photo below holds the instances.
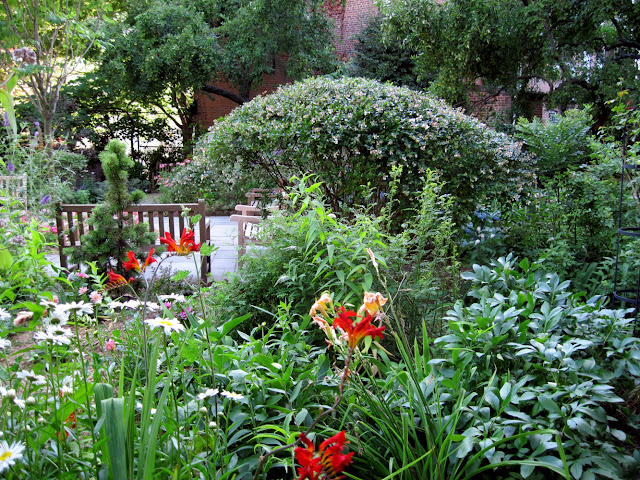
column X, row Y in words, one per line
column 115, row 304
column 54, row 334
column 209, row 392
column 19, row 402
column 29, row 376
column 4, row 315
column 9, row 454
column 38, row 336
column 169, row 324
column 81, row 308
column 153, row 307
column 172, row 297
column 232, row 395
column 45, row 302
column 5, row 344
column 133, row 304
column 58, row 316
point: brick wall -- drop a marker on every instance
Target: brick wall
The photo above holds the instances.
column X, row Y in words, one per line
column 211, row 107
column 350, row 20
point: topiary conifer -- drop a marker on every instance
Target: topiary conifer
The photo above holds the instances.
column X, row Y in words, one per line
column 114, row 229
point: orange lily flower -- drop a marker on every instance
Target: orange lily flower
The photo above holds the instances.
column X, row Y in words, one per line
column 133, row 264
column 357, row 331
column 187, row 243
column 330, row 460
column 373, row 302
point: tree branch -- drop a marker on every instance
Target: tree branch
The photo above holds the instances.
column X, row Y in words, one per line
column 228, row 94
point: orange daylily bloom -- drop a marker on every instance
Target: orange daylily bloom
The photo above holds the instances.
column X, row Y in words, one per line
column 357, row 331
column 187, row 243
column 133, row 264
column 373, row 302
column 330, row 460
column 321, row 304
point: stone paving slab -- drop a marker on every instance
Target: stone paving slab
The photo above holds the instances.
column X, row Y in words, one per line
column 224, row 259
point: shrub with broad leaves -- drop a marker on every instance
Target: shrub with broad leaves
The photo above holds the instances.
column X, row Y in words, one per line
column 351, row 132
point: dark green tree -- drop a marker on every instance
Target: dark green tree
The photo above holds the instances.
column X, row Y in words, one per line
column 167, row 50
column 384, row 61
column 577, row 49
column 114, row 230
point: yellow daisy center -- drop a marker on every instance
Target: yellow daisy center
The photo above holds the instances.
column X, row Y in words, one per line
column 6, row 455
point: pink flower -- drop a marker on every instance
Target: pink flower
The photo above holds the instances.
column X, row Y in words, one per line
column 82, row 275
column 82, row 290
column 95, row 297
column 110, row 345
column 56, row 300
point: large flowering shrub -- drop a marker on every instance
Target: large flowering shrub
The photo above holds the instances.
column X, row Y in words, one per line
column 351, row 132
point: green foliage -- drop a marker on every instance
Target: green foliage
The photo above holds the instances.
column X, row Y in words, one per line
column 310, row 250
column 384, row 62
column 509, row 43
column 23, row 266
column 222, row 187
column 165, row 51
column 543, row 355
column 560, row 145
column 351, row 132
column 51, row 175
column 415, row 420
column 114, row 229
column 58, row 37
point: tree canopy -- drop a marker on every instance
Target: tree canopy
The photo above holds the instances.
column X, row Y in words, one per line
column 166, row 50
column 45, row 42
column 579, row 49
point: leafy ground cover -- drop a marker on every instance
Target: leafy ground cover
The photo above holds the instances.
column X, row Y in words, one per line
column 529, row 377
column 378, row 340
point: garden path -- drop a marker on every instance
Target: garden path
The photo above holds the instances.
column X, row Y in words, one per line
column 223, row 261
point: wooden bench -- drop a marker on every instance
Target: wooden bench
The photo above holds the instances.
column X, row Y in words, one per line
column 12, row 188
column 260, row 200
column 72, row 223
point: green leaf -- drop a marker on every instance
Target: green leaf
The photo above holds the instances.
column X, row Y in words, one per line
column 6, row 259
column 492, row 399
column 181, row 275
column 231, row 324
column 301, row 417
column 549, row 404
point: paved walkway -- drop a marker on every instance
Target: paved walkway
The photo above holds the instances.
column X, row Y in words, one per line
column 223, row 261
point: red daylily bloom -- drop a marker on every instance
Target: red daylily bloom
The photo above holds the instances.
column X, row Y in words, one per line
column 330, row 460
column 133, row 264
column 357, row 331
column 187, row 243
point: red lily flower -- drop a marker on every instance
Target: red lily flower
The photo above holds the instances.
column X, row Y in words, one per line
column 133, row 264
column 187, row 243
column 330, row 460
column 357, row 331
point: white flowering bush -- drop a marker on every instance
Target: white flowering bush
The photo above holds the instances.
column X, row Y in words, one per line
column 351, row 132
